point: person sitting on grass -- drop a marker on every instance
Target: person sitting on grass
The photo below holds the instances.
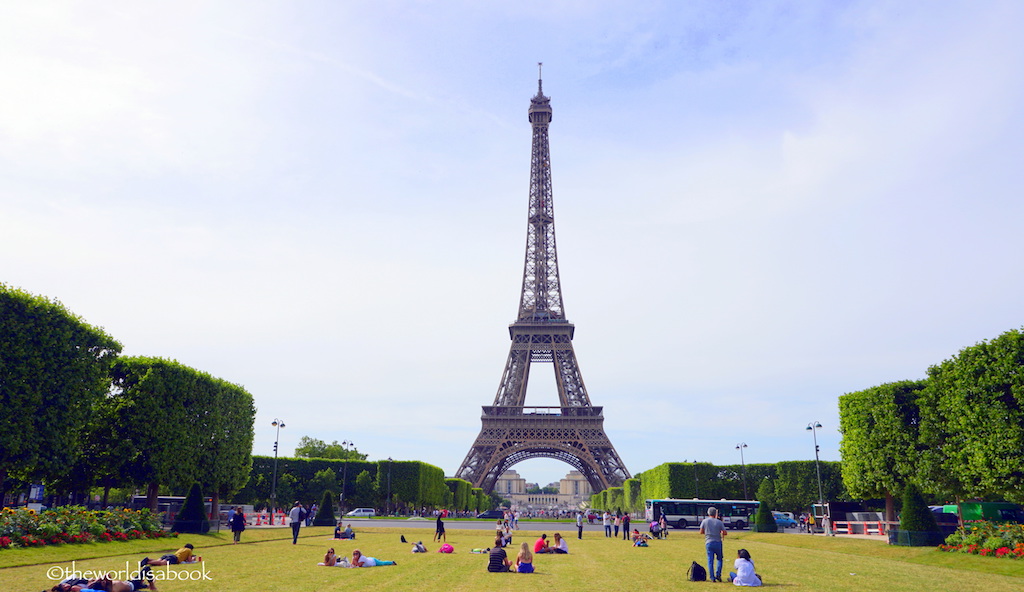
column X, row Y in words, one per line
column 524, row 560
column 561, row 545
column 497, row 560
column 360, row 560
column 744, row 574
column 542, row 545
column 344, row 534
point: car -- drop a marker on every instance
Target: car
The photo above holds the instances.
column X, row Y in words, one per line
column 784, row 521
column 362, row 513
column 491, row 515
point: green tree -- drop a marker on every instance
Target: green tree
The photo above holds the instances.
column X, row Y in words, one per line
column 323, row 480
column 182, row 426
column 286, row 490
column 915, row 515
column 325, row 515
column 766, row 493
column 226, row 439
column 880, row 446
column 972, row 421
column 764, row 520
column 192, row 517
column 53, row 373
column 365, row 492
column 313, row 448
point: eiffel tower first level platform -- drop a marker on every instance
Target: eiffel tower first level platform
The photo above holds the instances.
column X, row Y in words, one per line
column 573, row 432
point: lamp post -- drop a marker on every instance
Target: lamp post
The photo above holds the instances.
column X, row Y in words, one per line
column 344, row 477
column 813, row 428
column 743, row 468
column 277, row 423
column 696, row 481
column 387, row 508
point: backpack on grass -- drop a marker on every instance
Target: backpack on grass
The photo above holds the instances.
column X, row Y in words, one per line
column 696, row 573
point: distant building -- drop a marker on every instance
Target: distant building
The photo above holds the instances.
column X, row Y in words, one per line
column 573, row 489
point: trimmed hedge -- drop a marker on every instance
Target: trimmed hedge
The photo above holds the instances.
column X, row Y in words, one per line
column 632, row 499
column 325, row 514
column 192, row 517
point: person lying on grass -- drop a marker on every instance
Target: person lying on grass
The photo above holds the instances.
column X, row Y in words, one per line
column 182, row 555
column 360, row 560
column 103, row 584
column 330, row 558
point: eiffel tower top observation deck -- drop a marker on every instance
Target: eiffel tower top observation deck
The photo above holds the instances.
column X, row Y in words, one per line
column 573, row 432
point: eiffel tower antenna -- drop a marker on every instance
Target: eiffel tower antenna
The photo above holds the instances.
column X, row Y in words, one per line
column 573, row 432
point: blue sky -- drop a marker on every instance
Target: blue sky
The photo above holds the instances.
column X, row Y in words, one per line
column 759, row 205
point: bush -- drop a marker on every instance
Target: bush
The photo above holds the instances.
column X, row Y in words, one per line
column 764, row 520
column 325, row 515
column 915, row 515
column 192, row 517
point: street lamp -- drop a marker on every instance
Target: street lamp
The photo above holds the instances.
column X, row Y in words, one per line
column 277, row 423
column 743, row 468
column 344, row 477
column 813, row 428
column 386, row 509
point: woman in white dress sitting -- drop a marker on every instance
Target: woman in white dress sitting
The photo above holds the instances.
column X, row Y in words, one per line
column 744, row 574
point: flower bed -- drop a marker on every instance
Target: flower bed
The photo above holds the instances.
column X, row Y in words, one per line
column 987, row 539
column 22, row 527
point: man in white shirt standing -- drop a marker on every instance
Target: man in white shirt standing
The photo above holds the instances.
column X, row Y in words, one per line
column 606, row 521
column 296, row 516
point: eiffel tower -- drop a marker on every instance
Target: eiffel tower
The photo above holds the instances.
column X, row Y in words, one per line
column 574, row 431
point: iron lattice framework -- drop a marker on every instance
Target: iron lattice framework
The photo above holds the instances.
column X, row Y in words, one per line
column 574, row 431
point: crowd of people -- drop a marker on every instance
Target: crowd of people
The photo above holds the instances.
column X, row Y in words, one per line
column 712, row 528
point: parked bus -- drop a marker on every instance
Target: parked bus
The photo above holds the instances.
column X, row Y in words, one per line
column 680, row 513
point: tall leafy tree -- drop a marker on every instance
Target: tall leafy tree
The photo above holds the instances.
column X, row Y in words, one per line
column 314, row 448
column 227, row 439
column 880, row 447
column 973, row 421
column 366, row 490
column 53, row 372
column 183, row 426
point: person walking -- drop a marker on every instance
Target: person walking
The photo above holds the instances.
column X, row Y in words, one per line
column 295, row 517
column 617, row 523
column 439, row 532
column 713, row 530
column 579, row 525
column 237, row 523
column 625, row 527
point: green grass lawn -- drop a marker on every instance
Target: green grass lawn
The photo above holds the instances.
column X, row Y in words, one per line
column 267, row 561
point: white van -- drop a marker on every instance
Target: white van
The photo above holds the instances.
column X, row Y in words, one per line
column 362, row 513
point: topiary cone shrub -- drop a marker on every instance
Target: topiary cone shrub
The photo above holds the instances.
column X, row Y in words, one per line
column 764, row 520
column 325, row 515
column 917, row 524
column 192, row 517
